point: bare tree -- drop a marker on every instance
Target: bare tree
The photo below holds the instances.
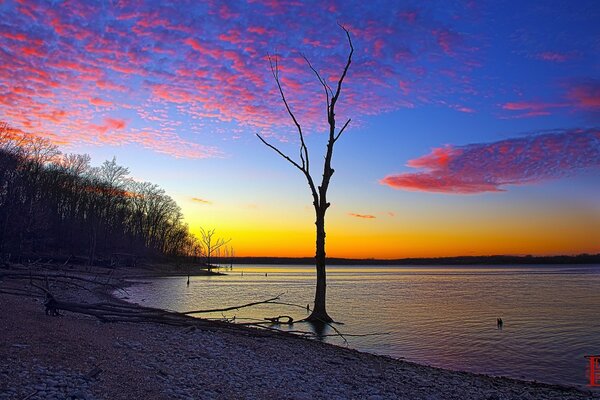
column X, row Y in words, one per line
column 319, row 194
column 211, row 243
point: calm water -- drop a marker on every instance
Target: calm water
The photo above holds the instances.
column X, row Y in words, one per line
column 441, row 316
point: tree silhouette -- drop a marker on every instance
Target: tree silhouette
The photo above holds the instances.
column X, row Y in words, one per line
column 56, row 205
column 319, row 194
column 211, row 244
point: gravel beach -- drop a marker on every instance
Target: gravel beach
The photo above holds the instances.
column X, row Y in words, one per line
column 78, row 357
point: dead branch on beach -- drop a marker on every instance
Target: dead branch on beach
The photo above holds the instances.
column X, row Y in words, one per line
column 58, row 278
column 41, row 285
column 271, row 300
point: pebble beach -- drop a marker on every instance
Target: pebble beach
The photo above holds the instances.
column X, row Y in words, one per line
column 78, row 357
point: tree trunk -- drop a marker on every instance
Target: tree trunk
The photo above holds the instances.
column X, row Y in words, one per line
column 319, row 313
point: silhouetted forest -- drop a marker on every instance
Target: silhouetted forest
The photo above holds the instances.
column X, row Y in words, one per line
column 54, row 204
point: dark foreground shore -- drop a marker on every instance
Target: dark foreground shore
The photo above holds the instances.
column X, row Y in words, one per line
column 78, row 357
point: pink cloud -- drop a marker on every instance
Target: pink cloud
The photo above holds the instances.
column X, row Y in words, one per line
column 113, row 123
column 465, row 109
column 489, row 167
column 99, row 102
column 107, row 85
column 447, row 40
column 553, row 56
column 583, row 96
column 364, row 216
column 586, row 95
column 531, row 108
column 210, row 68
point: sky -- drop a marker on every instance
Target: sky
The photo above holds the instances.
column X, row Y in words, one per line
column 475, row 124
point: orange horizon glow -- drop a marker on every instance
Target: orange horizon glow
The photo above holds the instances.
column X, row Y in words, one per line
column 359, row 238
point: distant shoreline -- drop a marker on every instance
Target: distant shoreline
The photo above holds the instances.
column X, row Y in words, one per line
column 461, row 260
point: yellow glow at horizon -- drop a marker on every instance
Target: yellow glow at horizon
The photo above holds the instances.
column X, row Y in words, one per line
column 288, row 231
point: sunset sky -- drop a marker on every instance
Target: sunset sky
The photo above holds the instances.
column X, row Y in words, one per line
column 475, row 124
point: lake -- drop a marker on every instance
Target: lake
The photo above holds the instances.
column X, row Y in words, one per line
column 439, row 316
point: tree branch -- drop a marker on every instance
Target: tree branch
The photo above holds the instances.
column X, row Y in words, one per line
column 339, row 85
column 304, row 169
column 303, row 149
column 326, row 87
column 294, row 163
column 233, row 307
column 342, row 130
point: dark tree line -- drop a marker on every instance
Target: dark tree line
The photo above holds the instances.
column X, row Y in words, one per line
column 58, row 204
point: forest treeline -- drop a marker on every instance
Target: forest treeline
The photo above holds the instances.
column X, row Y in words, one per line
column 58, row 204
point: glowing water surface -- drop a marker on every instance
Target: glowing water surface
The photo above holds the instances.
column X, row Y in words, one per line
column 441, row 316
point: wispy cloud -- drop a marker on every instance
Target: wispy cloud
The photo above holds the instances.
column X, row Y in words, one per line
column 202, row 201
column 490, row 167
column 365, row 216
column 554, row 56
column 581, row 96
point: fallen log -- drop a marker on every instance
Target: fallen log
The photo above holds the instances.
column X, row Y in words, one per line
column 277, row 320
column 271, row 300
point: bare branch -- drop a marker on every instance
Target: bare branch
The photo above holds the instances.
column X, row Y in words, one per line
column 326, row 87
column 339, row 84
column 294, row 163
column 275, row 72
column 305, row 171
column 233, row 307
column 342, row 130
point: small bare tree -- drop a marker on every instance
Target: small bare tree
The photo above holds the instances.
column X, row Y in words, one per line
column 211, row 243
column 319, row 194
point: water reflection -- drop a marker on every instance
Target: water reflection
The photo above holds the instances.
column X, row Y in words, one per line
column 435, row 315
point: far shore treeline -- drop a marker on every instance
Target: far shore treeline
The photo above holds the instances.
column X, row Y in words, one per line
column 433, row 261
column 58, row 205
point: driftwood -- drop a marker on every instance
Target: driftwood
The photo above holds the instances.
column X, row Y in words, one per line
column 124, row 312
column 62, row 278
column 277, row 320
column 271, row 300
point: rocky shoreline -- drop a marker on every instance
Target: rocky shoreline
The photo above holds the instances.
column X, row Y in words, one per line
column 78, row 357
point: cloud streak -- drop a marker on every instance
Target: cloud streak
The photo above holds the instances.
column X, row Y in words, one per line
column 363, row 216
column 201, row 201
column 490, row 167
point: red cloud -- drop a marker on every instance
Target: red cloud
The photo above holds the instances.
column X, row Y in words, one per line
column 196, row 45
column 582, row 96
column 488, row 167
column 365, row 216
column 531, row 109
column 586, row 95
column 438, row 158
column 99, row 102
column 107, row 85
column 530, row 106
column 113, row 123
